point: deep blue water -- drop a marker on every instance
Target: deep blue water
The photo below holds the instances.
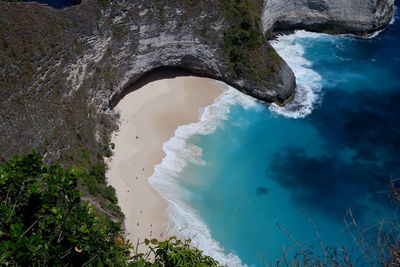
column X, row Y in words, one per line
column 262, row 169
column 54, row 3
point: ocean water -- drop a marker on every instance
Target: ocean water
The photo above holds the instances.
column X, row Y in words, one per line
column 54, row 3
column 247, row 176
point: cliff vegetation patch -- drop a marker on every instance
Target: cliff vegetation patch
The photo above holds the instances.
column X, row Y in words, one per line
column 244, row 43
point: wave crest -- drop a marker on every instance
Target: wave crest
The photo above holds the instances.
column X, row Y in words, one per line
column 308, row 81
column 185, row 222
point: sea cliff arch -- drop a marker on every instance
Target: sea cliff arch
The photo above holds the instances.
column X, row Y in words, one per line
column 57, row 66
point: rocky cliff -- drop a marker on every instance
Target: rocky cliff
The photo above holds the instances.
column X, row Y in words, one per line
column 62, row 71
column 359, row 17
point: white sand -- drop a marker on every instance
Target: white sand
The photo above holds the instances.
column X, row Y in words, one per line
column 149, row 117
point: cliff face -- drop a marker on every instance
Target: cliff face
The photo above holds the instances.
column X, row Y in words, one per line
column 150, row 35
column 333, row 16
column 62, row 71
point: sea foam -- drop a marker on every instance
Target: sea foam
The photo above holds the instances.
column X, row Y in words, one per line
column 395, row 15
column 308, row 81
column 185, row 222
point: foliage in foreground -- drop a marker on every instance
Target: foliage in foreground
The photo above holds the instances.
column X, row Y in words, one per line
column 375, row 245
column 43, row 222
column 174, row 252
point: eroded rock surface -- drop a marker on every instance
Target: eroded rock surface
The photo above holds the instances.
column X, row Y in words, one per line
column 62, row 71
column 332, row 16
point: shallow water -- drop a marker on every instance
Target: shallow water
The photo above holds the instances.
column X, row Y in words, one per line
column 336, row 148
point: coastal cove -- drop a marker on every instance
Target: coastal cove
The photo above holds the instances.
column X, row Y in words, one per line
column 94, row 59
column 148, row 118
column 237, row 133
column 333, row 149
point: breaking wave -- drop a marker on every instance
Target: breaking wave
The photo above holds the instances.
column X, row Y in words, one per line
column 308, row 81
column 184, row 220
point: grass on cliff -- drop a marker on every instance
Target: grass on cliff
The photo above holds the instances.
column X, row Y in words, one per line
column 93, row 182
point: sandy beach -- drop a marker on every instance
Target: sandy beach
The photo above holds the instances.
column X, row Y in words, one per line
column 149, row 117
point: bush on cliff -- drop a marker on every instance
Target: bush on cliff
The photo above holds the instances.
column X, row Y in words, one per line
column 243, row 36
column 244, row 44
column 44, row 223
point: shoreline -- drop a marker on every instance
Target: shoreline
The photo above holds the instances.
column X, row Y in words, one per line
column 149, row 117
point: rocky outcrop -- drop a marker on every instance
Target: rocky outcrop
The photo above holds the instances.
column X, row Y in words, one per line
column 62, row 71
column 180, row 35
column 359, row 17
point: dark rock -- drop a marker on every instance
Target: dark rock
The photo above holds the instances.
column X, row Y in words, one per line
column 262, row 190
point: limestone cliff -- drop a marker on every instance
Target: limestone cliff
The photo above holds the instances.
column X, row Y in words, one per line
column 332, row 16
column 62, row 71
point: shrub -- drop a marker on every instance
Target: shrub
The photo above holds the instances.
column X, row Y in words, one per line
column 98, row 170
column 44, row 223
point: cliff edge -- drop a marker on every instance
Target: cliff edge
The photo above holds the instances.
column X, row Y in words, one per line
column 360, row 17
column 63, row 70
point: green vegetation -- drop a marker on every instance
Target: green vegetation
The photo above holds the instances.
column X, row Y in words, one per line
column 110, row 76
column 244, row 35
column 93, row 183
column 104, row 3
column 244, row 43
column 173, row 252
column 43, row 222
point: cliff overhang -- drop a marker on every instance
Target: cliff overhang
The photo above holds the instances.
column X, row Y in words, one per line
column 63, row 70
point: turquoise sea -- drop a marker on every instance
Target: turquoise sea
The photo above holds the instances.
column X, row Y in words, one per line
column 247, row 173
